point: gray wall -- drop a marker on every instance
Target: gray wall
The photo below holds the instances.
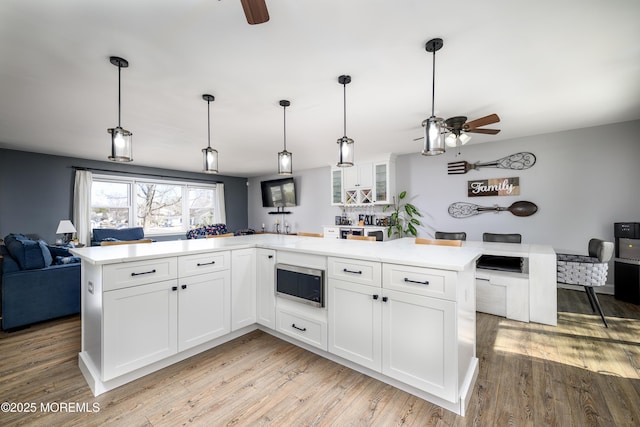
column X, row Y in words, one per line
column 584, row 180
column 36, row 191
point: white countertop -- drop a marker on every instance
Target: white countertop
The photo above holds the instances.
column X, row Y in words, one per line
column 399, row 251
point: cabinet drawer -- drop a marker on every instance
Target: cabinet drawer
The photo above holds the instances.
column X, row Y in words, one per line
column 190, row 265
column 310, row 331
column 126, row 274
column 357, row 271
column 420, row 281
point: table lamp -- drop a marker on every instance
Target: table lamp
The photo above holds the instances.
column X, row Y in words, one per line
column 66, row 227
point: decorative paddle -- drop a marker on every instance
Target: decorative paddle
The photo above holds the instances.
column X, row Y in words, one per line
column 465, row 210
column 517, row 161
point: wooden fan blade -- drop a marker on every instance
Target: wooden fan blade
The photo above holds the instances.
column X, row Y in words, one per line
column 255, row 11
column 486, row 131
column 482, row 121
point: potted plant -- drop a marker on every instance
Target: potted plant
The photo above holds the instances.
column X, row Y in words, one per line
column 403, row 218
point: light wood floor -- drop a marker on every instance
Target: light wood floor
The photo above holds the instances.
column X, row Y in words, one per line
column 576, row 374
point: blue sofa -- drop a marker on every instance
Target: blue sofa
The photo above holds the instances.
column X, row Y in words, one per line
column 38, row 282
column 116, row 234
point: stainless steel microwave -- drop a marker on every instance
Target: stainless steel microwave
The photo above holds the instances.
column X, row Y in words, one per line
column 301, row 284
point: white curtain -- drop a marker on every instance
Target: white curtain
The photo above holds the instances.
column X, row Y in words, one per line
column 82, row 206
column 219, row 209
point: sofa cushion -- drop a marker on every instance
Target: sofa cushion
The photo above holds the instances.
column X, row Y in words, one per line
column 114, row 234
column 9, row 264
column 29, row 254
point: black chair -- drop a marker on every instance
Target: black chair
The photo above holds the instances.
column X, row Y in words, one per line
column 587, row 271
column 502, row 238
column 446, row 235
column 499, row 262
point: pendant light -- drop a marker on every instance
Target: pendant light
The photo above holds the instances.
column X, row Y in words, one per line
column 209, row 155
column 345, row 145
column 284, row 157
column 120, row 138
column 433, row 126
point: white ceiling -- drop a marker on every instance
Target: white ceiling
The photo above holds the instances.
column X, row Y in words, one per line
column 542, row 66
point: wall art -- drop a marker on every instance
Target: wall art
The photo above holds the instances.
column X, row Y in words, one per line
column 494, row 187
column 465, row 210
column 517, row 161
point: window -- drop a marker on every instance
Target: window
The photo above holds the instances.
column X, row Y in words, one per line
column 160, row 207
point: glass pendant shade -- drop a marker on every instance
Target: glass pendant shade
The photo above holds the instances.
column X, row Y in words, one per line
column 433, row 140
column 285, row 166
column 452, row 139
column 209, row 160
column 120, row 145
column 345, row 152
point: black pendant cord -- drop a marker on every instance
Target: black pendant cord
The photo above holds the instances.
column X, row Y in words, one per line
column 119, row 92
column 284, row 131
column 208, row 124
column 433, row 85
column 344, row 97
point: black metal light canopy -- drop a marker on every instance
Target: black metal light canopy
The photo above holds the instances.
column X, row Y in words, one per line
column 209, row 155
column 345, row 144
column 121, row 150
column 285, row 158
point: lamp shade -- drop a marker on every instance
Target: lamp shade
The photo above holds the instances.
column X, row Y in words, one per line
column 65, row 226
column 120, row 145
column 285, row 166
column 210, row 160
column 433, row 140
column 345, row 152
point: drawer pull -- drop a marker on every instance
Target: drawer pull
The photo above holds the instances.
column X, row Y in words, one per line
column 406, row 279
column 200, row 264
column 293, row 325
column 351, row 271
column 144, row 272
column 174, row 288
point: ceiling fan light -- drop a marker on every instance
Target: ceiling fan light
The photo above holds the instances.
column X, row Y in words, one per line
column 451, row 140
column 345, row 152
column 433, row 140
column 464, row 138
column 121, row 150
column 209, row 160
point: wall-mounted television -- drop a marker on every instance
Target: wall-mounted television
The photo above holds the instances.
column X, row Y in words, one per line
column 278, row 193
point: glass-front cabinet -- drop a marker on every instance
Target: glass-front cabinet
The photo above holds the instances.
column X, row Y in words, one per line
column 336, row 187
column 365, row 183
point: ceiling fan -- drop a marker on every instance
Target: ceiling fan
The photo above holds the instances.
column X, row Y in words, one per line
column 255, row 11
column 452, row 131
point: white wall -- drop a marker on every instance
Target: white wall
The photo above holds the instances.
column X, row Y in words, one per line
column 583, row 181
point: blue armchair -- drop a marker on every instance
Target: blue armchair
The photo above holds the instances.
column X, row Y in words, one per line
column 116, row 234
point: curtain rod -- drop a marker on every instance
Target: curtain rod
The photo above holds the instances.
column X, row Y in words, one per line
column 145, row 174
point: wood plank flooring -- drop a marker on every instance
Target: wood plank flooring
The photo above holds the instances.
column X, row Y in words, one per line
column 577, row 374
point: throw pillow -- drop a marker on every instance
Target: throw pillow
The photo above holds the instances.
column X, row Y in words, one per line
column 46, row 255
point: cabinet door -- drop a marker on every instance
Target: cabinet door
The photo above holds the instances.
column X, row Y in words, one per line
column 243, row 288
column 204, row 308
column 365, row 175
column 265, row 282
column 354, row 322
column 381, row 185
column 336, row 186
column 140, row 327
column 350, row 178
column 419, row 342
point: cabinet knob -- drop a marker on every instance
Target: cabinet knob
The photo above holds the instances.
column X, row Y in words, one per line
column 375, row 296
column 174, row 288
column 270, row 256
column 184, row 286
column 385, row 299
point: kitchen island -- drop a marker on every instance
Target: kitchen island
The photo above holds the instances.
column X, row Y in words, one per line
column 406, row 318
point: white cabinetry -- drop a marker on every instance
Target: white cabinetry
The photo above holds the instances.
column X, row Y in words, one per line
column 140, row 327
column 265, row 288
column 354, row 311
column 403, row 326
column 145, row 321
column 243, row 288
column 365, row 183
